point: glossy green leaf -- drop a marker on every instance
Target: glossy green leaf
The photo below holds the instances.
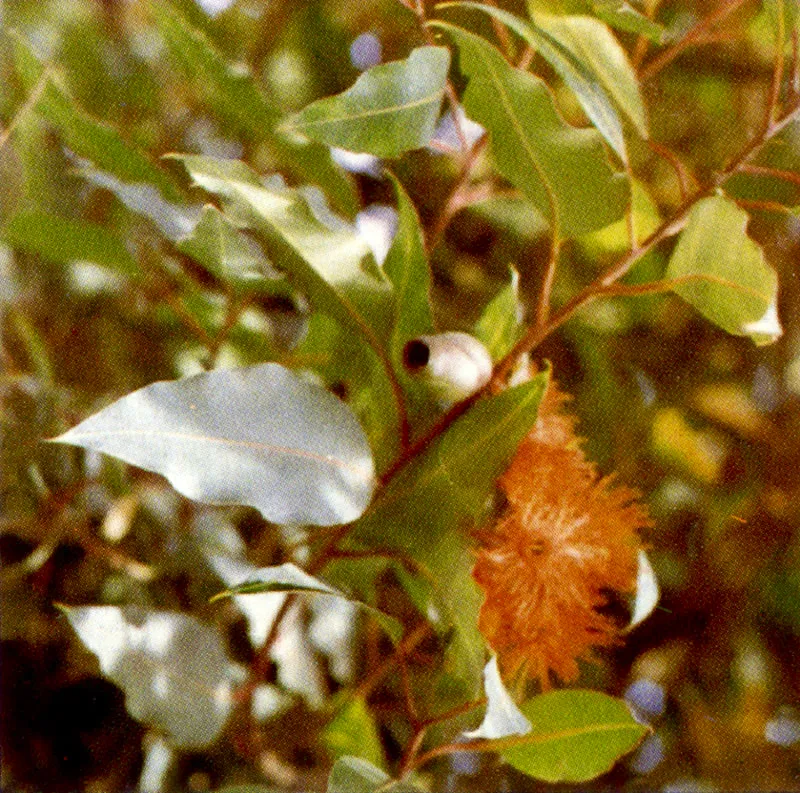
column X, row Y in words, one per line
column 623, row 16
column 597, row 49
column 407, row 267
column 258, row 436
column 223, row 250
column 67, row 240
column 591, row 62
column 236, row 99
column 563, row 170
column 330, row 262
column 84, row 135
column 356, row 775
column 173, row 669
column 723, row 272
column 353, row 731
column 391, row 109
column 499, row 326
column 290, row 578
column 575, row 736
column 427, row 508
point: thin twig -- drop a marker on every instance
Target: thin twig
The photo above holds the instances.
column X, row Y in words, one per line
column 690, row 39
column 455, row 200
column 407, row 645
column 26, row 107
column 526, row 58
column 681, row 172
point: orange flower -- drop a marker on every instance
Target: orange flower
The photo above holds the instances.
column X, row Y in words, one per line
column 567, row 537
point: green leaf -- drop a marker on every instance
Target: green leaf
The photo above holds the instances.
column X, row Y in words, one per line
column 236, row 99
column 623, row 16
column 331, row 264
column 290, row 578
column 591, row 62
column 353, row 731
column 66, row 240
column 355, row 775
column 724, row 273
column 223, row 250
column 563, row 170
column 407, row 267
column 258, row 436
column 575, row 736
column 427, row 508
column 597, row 49
column 84, row 135
column 389, row 110
column 499, row 326
column 615, row 239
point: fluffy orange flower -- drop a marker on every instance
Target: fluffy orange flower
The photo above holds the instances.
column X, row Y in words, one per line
column 567, row 537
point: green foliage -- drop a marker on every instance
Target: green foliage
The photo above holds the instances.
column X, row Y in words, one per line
column 499, row 324
column 591, row 62
column 236, row 99
column 623, row 16
column 575, row 736
column 291, row 596
column 391, row 109
column 66, row 240
column 563, row 170
column 724, row 273
column 102, row 145
column 327, row 259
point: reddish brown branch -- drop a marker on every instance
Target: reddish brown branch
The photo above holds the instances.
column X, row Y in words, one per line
column 692, row 38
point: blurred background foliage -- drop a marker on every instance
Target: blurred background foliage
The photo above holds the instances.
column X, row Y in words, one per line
column 706, row 425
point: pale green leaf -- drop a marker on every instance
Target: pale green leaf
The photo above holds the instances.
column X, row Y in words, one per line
column 502, row 717
column 223, row 250
column 235, row 98
column 332, row 264
column 723, row 273
column 623, row 16
column 67, row 240
column 591, row 62
column 575, row 736
column 390, row 109
column 406, row 266
column 499, row 326
column 258, row 436
column 563, row 170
